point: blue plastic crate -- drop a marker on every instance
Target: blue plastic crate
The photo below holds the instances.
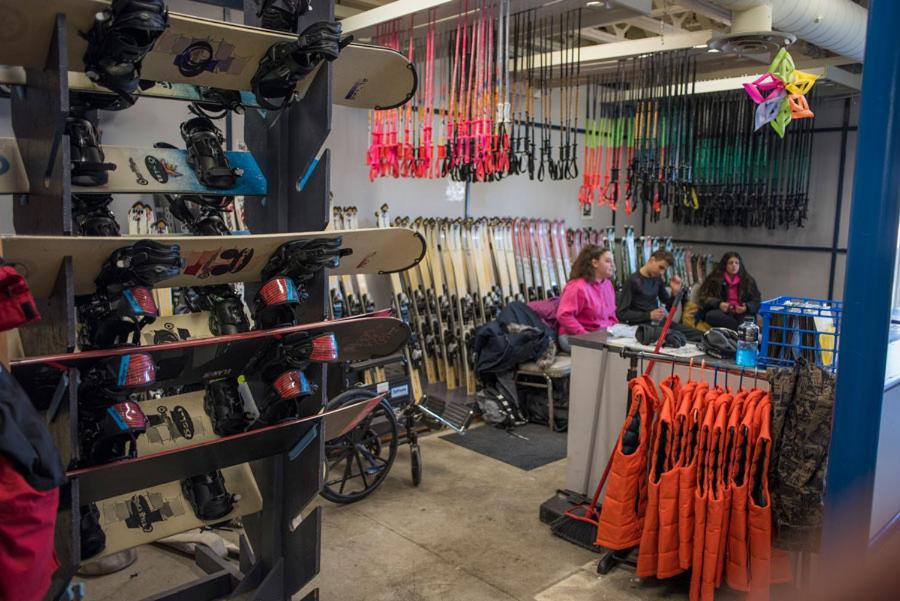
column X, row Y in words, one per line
column 794, row 326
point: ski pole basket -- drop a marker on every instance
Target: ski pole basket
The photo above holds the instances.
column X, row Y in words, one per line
column 794, row 327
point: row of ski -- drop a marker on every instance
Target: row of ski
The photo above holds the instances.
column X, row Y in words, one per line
column 473, row 268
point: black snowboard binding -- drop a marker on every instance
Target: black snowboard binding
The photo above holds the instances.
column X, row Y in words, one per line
column 205, row 154
column 301, row 260
column 286, row 63
column 226, row 409
column 276, row 303
column 113, row 379
column 87, row 100
column 93, row 539
column 208, row 496
column 215, row 103
column 92, row 215
column 88, row 161
column 282, row 399
column 110, row 433
column 115, row 318
column 226, row 311
column 281, row 15
column 118, row 40
column 293, row 351
column 198, row 217
column 144, row 263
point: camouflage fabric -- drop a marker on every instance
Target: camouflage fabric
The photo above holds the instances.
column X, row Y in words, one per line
column 782, row 382
column 797, row 472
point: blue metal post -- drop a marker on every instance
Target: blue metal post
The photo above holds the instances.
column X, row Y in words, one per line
column 867, row 292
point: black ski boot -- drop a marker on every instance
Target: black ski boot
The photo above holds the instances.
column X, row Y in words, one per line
column 115, row 318
column 92, row 216
column 286, row 63
column 88, row 161
column 208, row 496
column 205, row 154
column 110, row 433
column 118, row 40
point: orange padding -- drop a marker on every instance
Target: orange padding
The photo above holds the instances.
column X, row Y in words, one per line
column 689, row 485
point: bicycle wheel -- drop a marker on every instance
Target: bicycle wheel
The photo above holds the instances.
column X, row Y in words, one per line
column 359, row 461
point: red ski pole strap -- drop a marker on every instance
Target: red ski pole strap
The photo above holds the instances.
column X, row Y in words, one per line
column 16, row 302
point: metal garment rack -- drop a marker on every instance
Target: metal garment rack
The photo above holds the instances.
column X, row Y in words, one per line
column 283, row 554
column 613, row 559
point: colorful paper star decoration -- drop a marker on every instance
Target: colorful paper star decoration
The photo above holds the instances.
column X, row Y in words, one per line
column 781, row 93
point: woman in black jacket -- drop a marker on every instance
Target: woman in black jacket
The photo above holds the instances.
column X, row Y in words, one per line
column 729, row 294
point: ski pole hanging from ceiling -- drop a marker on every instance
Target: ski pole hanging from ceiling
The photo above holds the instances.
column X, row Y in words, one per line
column 479, row 121
column 652, row 144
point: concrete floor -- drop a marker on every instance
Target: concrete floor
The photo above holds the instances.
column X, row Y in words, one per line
column 470, row 532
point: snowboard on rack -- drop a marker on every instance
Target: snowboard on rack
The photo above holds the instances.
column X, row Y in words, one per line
column 166, row 171
column 13, row 178
column 179, row 421
column 202, row 359
column 365, row 76
column 208, row 260
column 142, row 171
column 150, row 514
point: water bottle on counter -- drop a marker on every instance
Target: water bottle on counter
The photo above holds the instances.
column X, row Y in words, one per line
column 748, row 343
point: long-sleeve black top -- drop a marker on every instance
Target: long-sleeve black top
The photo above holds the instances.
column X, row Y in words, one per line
column 639, row 297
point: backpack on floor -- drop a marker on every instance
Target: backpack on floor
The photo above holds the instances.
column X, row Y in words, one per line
column 497, row 410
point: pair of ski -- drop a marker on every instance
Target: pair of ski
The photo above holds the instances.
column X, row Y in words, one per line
column 545, row 262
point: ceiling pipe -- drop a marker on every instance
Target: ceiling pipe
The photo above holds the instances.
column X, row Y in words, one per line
column 836, row 25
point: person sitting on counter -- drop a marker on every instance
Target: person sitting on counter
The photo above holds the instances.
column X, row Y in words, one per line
column 588, row 301
column 646, row 299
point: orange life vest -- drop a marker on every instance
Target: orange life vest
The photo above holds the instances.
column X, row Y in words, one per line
column 621, row 517
column 687, row 479
column 737, row 571
column 701, row 497
column 716, row 501
column 658, row 553
column 759, row 515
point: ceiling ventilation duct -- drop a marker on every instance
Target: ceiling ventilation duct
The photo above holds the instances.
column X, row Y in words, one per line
column 836, row 25
column 751, row 33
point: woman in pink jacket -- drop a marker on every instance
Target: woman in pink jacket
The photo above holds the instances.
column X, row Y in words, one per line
column 588, row 302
